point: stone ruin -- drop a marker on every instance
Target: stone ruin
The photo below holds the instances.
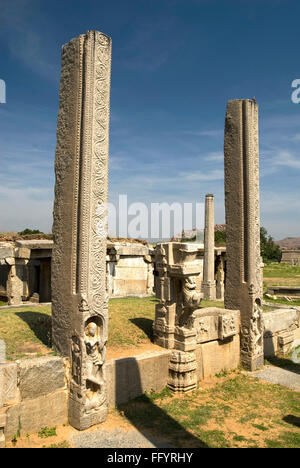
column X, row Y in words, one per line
column 79, row 292
column 243, row 267
column 25, row 270
column 198, row 341
column 180, row 323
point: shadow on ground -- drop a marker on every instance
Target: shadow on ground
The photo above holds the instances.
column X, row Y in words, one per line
column 143, row 412
column 156, row 425
column 145, row 325
column 291, row 419
column 284, row 363
column 40, row 324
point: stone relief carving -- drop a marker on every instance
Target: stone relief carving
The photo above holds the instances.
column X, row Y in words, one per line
column 80, row 299
column 95, row 351
column 252, row 336
column 76, row 359
column 202, row 329
column 190, row 301
column 228, row 326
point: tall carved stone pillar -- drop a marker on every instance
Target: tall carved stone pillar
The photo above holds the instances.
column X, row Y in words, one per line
column 79, row 297
column 209, row 284
column 243, row 276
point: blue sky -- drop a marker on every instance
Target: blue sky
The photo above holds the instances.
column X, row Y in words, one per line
column 175, row 63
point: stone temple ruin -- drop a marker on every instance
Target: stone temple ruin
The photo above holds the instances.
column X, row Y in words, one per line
column 25, row 270
column 79, row 385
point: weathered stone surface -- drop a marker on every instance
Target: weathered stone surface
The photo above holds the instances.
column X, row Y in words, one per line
column 40, row 376
column 32, row 415
column 284, row 291
column 243, row 268
column 2, row 427
column 182, row 372
column 280, row 330
column 220, row 275
column 34, row 244
column 176, row 289
column 15, row 284
column 10, row 381
column 6, row 250
column 131, row 377
column 127, row 249
column 79, row 296
column 1, row 388
column 12, row 420
column 2, row 351
column 2, row 438
column 278, row 320
column 209, row 284
column 220, row 355
column 22, row 252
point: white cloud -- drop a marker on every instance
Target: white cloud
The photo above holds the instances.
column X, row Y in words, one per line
column 27, row 207
column 203, row 176
column 207, row 133
column 215, row 156
column 287, row 159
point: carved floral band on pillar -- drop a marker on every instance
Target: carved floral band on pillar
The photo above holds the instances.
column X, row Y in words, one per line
column 80, row 299
column 243, row 289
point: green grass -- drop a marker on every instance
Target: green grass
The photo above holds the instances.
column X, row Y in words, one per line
column 27, row 330
column 238, row 411
column 281, row 270
column 281, row 300
column 64, row 444
column 47, row 432
column 130, row 321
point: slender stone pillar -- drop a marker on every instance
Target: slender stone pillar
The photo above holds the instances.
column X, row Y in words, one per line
column 79, row 297
column 208, row 283
column 243, row 276
column 15, row 280
column 220, row 278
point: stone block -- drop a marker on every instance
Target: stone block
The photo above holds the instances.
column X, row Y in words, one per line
column 1, row 388
column 35, row 244
column 130, row 287
column 6, row 250
column 279, row 320
column 219, row 355
column 10, row 381
column 12, row 420
column 131, row 377
column 199, row 361
column 40, row 376
column 2, row 352
column 32, row 415
column 2, row 427
column 2, row 438
column 47, row 410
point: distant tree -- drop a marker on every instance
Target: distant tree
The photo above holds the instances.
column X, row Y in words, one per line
column 220, row 237
column 270, row 252
column 29, row 231
column 188, row 239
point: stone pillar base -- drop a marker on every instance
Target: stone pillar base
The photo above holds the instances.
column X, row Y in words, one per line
column 253, row 363
column 81, row 419
column 209, row 291
column 163, row 339
column 182, row 372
